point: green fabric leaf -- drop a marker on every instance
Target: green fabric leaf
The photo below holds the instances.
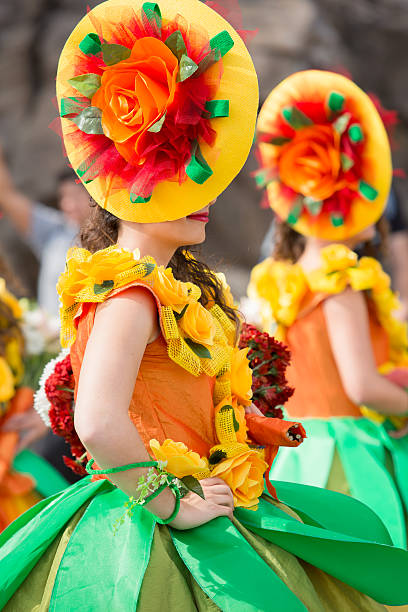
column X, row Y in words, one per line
column 367, row 191
column 313, row 206
column 187, row 68
column 346, row 162
column 341, row 123
column 295, row 213
column 85, row 167
column 192, row 484
column 199, row 349
column 153, row 14
column 279, row 141
column 198, row 169
column 216, row 457
column 86, row 84
column 228, row 407
column 113, row 54
column 156, row 127
column 104, row 287
column 149, row 267
column 73, row 106
column 89, row 120
column 209, row 60
column 222, row 41
column 336, row 101
column 180, row 315
column 337, row 220
column 91, row 44
column 356, row 133
column 175, row 42
column 135, row 199
column 296, row 118
column 217, row 108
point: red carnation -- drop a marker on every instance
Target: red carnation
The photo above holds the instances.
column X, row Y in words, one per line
column 268, row 359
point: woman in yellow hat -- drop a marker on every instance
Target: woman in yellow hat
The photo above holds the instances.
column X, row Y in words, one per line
column 326, row 164
column 159, row 103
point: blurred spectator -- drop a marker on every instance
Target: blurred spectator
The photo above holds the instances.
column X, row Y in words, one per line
column 397, row 243
column 49, row 232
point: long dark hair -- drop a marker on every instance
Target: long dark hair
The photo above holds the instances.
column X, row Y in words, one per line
column 289, row 244
column 101, row 230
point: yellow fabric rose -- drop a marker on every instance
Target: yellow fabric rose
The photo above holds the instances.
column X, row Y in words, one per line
column 172, row 292
column 320, row 282
column 336, row 257
column 180, row 460
column 6, row 381
column 241, row 376
column 198, row 324
column 244, row 475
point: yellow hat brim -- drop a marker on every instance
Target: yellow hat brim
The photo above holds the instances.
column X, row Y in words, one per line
column 313, row 85
column 235, row 133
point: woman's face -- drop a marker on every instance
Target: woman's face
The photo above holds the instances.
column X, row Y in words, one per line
column 181, row 232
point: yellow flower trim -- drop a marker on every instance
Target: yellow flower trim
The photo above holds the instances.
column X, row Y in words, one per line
column 202, row 343
column 279, row 287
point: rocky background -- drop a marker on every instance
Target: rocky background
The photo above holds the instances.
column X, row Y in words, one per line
column 366, row 37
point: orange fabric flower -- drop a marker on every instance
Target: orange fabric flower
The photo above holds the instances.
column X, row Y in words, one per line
column 244, row 475
column 310, row 163
column 172, row 292
column 135, row 93
column 198, row 324
column 241, row 376
column 180, row 460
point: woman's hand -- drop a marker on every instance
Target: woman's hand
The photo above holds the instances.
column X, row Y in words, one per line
column 29, row 426
column 195, row 511
column 252, row 409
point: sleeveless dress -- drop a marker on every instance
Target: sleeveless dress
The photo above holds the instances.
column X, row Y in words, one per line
column 344, row 451
column 319, row 552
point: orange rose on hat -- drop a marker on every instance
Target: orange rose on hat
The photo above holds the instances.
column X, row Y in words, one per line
column 135, row 93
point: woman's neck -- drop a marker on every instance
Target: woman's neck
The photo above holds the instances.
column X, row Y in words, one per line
column 310, row 258
column 131, row 236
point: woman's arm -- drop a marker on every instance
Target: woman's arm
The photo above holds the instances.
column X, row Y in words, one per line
column 348, row 328
column 122, row 329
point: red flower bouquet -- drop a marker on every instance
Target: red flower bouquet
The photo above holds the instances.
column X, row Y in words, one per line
column 59, row 389
column 268, row 359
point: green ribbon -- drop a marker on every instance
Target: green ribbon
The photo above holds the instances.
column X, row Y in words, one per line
column 367, row 191
column 295, row 213
column 296, row 119
column 337, row 219
column 91, row 44
column 73, row 106
column 223, row 42
column 197, row 169
column 217, row 108
column 336, row 101
column 153, row 14
column 356, row 133
column 135, row 199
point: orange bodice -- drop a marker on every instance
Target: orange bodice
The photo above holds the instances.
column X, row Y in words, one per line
column 313, row 372
column 167, row 401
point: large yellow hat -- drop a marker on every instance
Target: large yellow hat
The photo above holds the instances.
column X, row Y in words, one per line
column 158, row 104
column 325, row 155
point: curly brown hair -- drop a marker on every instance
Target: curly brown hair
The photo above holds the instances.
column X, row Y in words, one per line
column 101, row 230
column 289, row 244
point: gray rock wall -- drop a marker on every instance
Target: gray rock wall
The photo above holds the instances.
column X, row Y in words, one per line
column 367, row 37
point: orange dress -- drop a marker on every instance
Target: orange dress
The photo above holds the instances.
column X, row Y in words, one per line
column 344, row 451
column 313, row 371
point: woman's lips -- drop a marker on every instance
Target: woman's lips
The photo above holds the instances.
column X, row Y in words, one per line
column 203, row 217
